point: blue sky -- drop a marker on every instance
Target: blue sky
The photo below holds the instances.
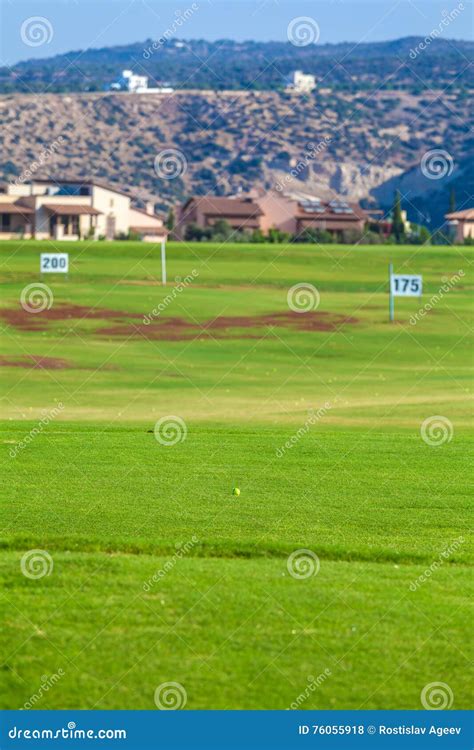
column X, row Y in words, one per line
column 78, row 24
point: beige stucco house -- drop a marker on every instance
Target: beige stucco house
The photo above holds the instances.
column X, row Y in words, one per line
column 71, row 210
column 461, row 223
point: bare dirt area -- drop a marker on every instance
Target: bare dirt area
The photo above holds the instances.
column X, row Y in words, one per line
column 32, row 362
column 227, row 327
column 174, row 328
column 38, row 321
column 35, row 362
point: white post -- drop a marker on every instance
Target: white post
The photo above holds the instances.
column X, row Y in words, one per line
column 163, row 262
column 391, row 303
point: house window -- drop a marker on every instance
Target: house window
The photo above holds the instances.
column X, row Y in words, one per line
column 70, row 190
column 5, row 222
column 112, row 203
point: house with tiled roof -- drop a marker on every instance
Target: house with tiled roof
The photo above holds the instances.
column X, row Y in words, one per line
column 461, row 224
column 73, row 209
column 288, row 212
column 241, row 213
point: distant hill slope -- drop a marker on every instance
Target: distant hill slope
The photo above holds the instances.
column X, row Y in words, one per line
column 355, row 144
column 250, row 65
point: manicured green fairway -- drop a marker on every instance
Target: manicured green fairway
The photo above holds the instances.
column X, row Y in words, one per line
column 159, row 572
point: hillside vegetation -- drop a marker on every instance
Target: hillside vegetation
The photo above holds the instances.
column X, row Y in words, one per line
column 227, row 64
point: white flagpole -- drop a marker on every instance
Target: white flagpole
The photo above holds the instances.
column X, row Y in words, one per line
column 163, row 262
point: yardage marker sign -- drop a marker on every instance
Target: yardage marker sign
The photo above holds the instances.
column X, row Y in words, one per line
column 54, row 263
column 405, row 286
column 402, row 285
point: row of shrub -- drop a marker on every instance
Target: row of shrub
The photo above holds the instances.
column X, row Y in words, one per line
column 221, row 231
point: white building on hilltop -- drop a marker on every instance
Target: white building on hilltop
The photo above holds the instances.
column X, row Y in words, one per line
column 302, row 83
column 130, row 82
column 135, row 84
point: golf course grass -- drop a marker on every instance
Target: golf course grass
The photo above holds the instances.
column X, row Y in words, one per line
column 349, row 437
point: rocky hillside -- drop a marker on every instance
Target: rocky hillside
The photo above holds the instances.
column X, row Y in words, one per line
column 358, row 144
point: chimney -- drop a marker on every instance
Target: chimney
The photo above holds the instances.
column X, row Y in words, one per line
column 150, row 207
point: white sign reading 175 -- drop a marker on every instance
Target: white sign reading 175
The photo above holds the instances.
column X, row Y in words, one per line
column 403, row 285
column 54, row 263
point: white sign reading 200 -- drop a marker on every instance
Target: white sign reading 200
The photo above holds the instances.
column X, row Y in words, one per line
column 54, row 263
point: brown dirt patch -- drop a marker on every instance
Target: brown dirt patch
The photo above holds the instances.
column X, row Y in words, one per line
column 310, row 321
column 34, row 362
column 227, row 327
column 26, row 321
column 176, row 329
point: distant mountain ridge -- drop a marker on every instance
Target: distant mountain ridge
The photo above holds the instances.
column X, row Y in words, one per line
column 226, row 64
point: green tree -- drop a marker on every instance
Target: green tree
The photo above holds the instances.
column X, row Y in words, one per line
column 221, row 230
column 313, row 236
column 425, row 236
column 398, row 225
column 258, row 236
column 452, row 201
column 275, row 235
column 170, row 221
column 194, row 232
